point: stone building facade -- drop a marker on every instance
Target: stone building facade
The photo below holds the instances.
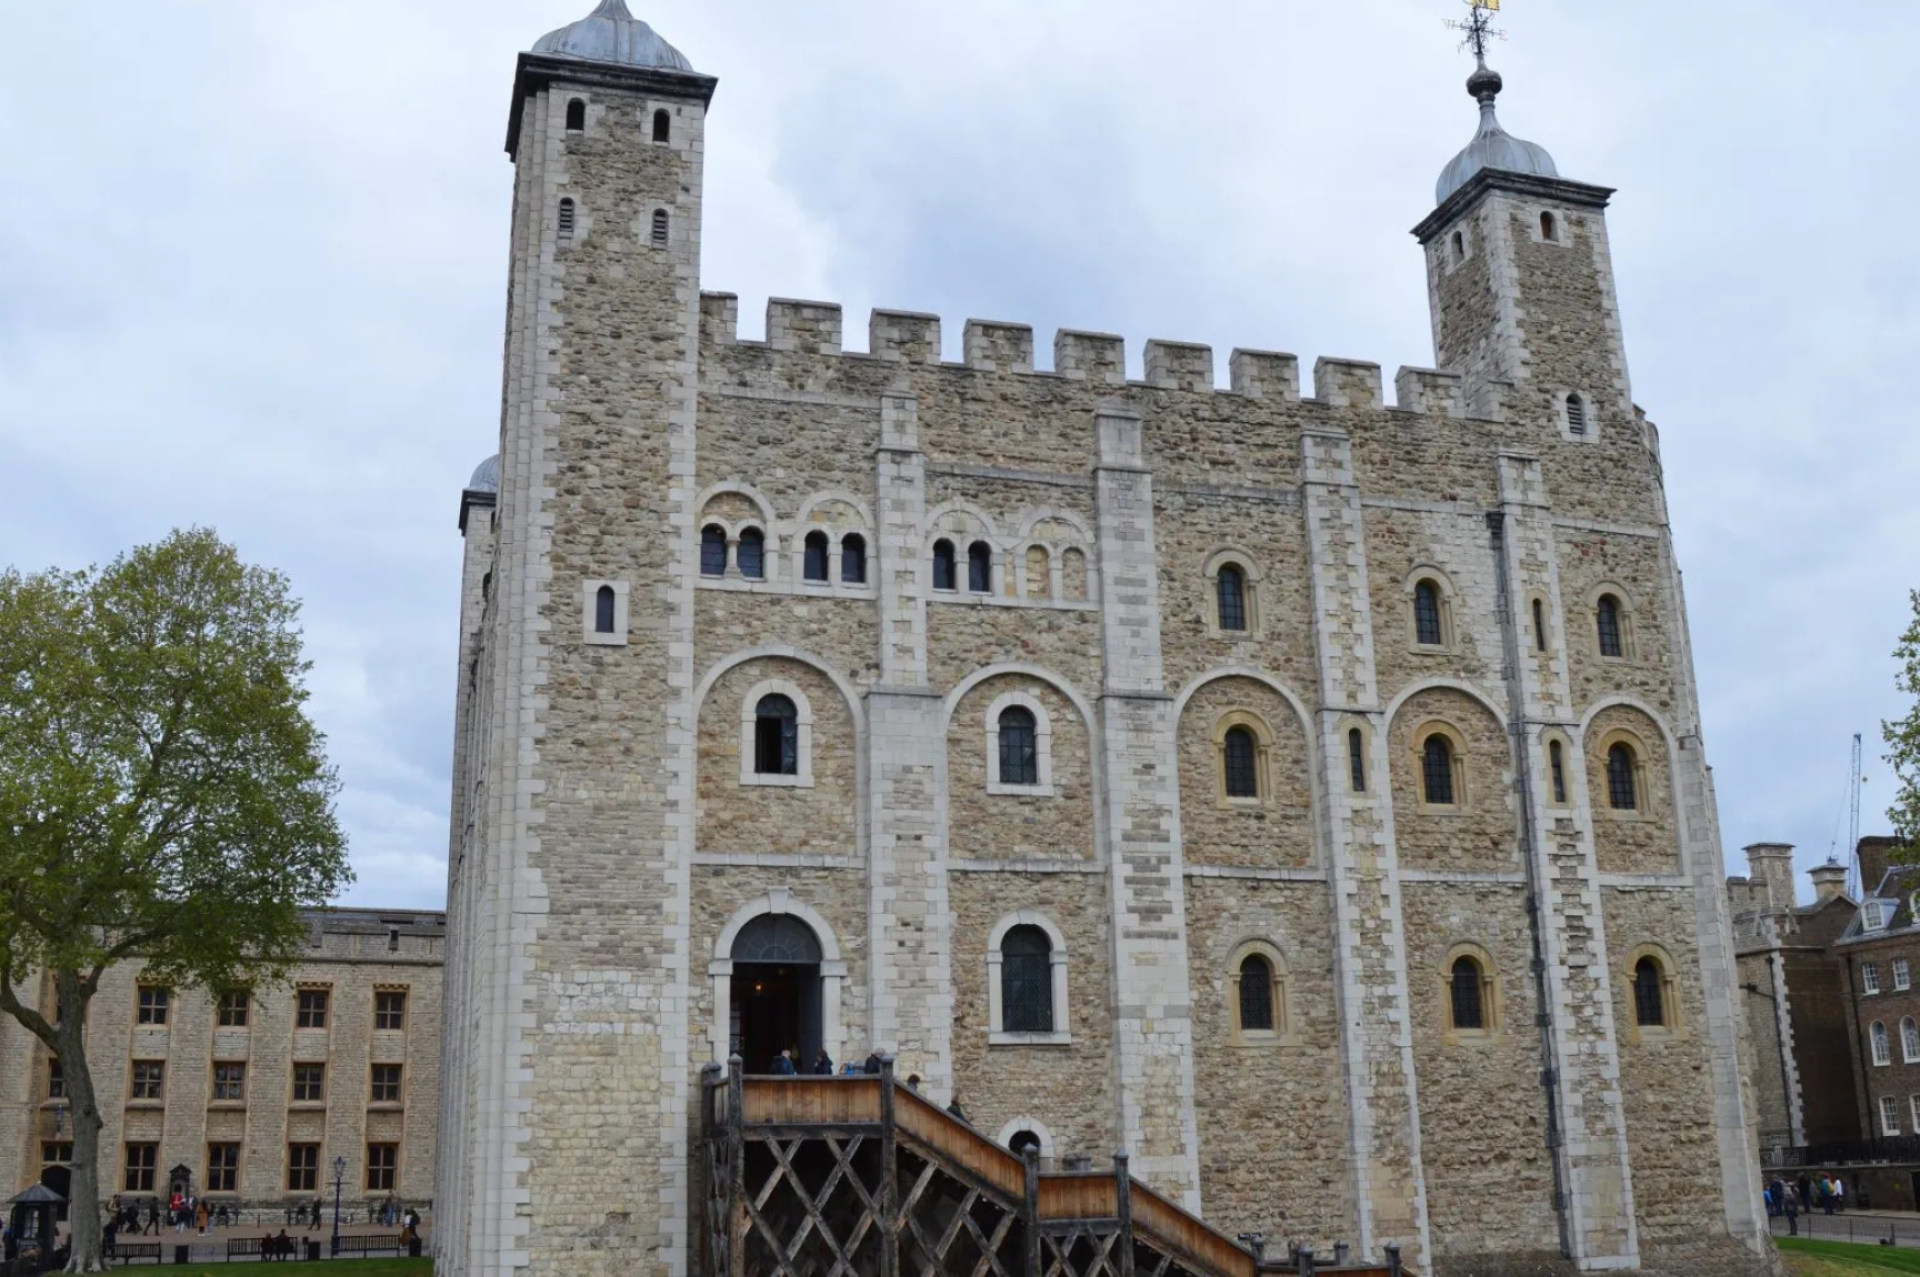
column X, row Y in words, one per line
column 1302, row 791
column 246, row 1097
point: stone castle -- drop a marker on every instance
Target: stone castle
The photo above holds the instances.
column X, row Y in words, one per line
column 1300, row 791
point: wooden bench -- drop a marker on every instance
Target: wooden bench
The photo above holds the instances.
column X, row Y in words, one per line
column 370, row 1243
column 129, row 1252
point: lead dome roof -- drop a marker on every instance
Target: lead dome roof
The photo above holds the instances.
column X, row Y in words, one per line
column 1492, row 147
column 486, row 476
column 611, row 34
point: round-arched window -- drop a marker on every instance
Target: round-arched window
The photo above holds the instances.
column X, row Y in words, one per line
column 776, row 938
column 776, row 736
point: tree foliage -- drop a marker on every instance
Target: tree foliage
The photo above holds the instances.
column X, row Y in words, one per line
column 1903, row 734
column 163, row 795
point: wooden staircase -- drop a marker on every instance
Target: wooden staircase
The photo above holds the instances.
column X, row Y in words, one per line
column 861, row 1177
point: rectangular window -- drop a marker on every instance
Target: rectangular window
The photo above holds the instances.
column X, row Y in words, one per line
column 1889, row 1115
column 60, row 1153
column 309, row 1083
column 140, row 1163
column 223, row 1168
column 56, row 1081
column 1913, row 1110
column 154, row 1004
column 149, row 1080
column 390, row 1009
column 303, row 1168
column 381, row 1161
column 1870, row 977
column 234, row 1005
column 312, row 1012
column 1902, row 975
column 230, row 1081
column 386, row 1084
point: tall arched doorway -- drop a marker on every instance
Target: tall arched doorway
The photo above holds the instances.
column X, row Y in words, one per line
column 775, row 995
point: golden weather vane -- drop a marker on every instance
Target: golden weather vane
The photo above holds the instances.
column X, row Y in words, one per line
column 1478, row 28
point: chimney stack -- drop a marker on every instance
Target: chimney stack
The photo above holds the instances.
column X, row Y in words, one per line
column 1772, row 864
column 1829, row 880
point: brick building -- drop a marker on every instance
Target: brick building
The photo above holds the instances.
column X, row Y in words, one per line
column 247, row 1096
column 1302, row 792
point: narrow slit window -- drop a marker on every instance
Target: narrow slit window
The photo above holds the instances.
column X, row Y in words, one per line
column 576, row 115
column 776, row 737
column 980, row 568
column 853, row 559
column 1357, row 759
column 603, row 601
column 753, row 554
column 1459, row 247
column 1576, row 415
column 1607, row 619
column 1241, row 766
column 816, row 556
column 1539, row 626
column 662, row 127
column 713, row 551
column 565, row 230
column 1649, row 994
column 1621, row 788
column 1426, row 615
column 1469, row 1006
column 1557, row 764
column 1549, row 228
column 943, row 565
column 1231, row 586
column 1019, row 747
column 1256, row 995
column 659, row 228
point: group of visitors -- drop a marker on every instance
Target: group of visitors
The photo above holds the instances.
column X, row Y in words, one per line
column 1794, row 1198
column 182, row 1211
column 784, row 1066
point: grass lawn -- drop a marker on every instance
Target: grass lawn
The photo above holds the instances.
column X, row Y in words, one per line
column 1845, row 1259
column 330, row 1267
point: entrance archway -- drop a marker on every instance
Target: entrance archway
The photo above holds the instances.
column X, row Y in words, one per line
column 775, row 993
column 60, row 1180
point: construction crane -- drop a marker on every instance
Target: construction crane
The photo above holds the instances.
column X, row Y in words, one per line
column 1854, row 781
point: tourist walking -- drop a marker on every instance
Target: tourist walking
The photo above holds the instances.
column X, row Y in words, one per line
column 1792, row 1206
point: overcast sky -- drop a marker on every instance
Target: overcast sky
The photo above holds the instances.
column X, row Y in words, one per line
column 252, row 273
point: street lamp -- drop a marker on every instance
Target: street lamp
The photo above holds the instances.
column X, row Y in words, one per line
column 339, row 1174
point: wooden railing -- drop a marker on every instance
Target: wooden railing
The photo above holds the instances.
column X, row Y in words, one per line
column 872, row 1109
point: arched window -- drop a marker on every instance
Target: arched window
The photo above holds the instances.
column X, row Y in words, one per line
column 1019, row 747
column 1909, row 1040
column 1026, row 980
column 1357, row 759
column 1557, row 765
column 1607, row 618
column 815, row 568
column 1436, row 771
column 1459, row 247
column 659, row 228
column 943, row 566
column 853, row 559
column 1073, row 575
column 1549, row 229
column 603, row 610
column 1039, row 573
column 662, row 127
column 1426, row 615
column 1877, row 1036
column 564, row 231
column 980, row 567
column 1231, row 586
column 753, row 554
column 1539, row 626
column 1241, row 765
column 713, row 550
column 1649, row 994
column 1576, row 415
column 776, row 737
column 1466, row 995
column 1621, row 795
column 1256, row 995
column 576, row 115
column 1021, row 1142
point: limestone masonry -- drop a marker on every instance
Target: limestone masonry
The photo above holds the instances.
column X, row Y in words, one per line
column 1300, row 791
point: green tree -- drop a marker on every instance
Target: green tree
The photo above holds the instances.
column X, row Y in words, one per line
column 163, row 796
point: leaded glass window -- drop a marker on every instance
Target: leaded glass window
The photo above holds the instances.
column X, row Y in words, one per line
column 1231, row 585
column 979, row 568
column 1426, row 615
column 713, row 551
column 777, row 938
column 853, row 559
column 816, row 557
column 1620, row 779
column 1256, row 995
column 1019, row 747
column 1469, row 1009
column 1436, row 770
column 1243, row 775
column 776, row 737
column 943, row 566
column 1026, row 981
column 1649, row 994
column 753, row 554
column 1607, row 617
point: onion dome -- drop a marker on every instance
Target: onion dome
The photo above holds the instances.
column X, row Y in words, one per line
column 486, row 476
column 1492, row 147
column 611, row 34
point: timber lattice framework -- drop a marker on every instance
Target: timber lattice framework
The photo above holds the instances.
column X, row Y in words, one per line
column 862, row 1177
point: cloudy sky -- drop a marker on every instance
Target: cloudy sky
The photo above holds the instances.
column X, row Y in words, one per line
column 252, row 269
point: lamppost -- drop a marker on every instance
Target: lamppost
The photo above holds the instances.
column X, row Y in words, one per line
column 339, row 1175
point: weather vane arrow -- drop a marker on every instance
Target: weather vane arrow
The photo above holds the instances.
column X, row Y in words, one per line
column 1478, row 28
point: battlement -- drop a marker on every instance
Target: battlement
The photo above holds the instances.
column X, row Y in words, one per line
column 913, row 337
